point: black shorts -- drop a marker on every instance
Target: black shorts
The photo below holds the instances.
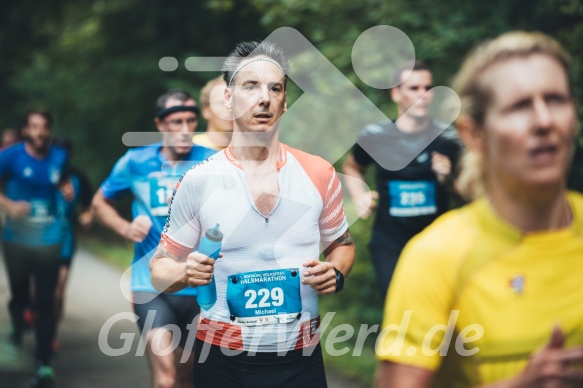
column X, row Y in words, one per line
column 297, row 368
column 167, row 310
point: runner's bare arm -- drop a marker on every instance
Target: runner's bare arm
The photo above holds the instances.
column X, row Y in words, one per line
column 364, row 200
column 14, row 209
column 321, row 275
column 171, row 273
column 105, row 212
column 107, row 215
column 341, row 253
column 168, row 271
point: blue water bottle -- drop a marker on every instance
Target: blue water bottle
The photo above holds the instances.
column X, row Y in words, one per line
column 210, row 246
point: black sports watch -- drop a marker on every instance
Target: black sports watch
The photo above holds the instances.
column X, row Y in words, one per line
column 339, row 280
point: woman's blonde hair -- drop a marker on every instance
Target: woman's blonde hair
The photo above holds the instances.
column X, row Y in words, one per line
column 475, row 95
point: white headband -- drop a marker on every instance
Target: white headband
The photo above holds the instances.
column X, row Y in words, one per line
column 255, row 60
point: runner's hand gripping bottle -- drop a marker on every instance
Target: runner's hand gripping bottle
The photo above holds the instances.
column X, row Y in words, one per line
column 210, row 246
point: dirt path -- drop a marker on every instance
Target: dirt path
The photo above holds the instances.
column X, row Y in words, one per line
column 93, row 297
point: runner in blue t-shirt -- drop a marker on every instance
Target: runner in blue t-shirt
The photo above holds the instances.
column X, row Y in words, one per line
column 33, row 171
column 150, row 174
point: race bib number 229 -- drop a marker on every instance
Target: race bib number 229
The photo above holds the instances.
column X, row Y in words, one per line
column 264, row 297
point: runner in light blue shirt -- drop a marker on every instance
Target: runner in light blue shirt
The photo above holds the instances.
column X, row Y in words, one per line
column 150, row 175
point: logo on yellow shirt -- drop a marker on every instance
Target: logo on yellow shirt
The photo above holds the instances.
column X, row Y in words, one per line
column 517, row 284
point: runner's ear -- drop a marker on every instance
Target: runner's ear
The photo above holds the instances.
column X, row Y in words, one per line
column 158, row 124
column 395, row 95
column 228, row 98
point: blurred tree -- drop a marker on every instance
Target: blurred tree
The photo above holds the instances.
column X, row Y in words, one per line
column 26, row 27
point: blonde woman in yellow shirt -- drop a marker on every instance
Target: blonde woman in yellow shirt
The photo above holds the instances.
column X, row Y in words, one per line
column 490, row 294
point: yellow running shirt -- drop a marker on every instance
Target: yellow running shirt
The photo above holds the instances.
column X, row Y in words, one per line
column 501, row 290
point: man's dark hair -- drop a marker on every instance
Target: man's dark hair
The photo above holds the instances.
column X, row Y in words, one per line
column 175, row 94
column 36, row 111
column 254, row 49
column 417, row 66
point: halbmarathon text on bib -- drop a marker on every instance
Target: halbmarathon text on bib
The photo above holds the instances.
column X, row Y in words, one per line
column 264, row 297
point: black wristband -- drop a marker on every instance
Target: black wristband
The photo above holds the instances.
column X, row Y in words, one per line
column 339, row 280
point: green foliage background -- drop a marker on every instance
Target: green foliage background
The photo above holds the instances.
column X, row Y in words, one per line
column 94, row 65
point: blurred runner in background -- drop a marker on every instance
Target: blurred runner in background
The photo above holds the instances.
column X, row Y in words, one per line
column 34, row 172
column 219, row 123
column 412, row 197
column 149, row 174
